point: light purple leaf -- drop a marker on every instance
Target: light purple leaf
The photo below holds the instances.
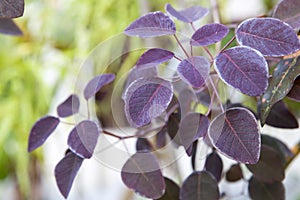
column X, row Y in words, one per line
column 214, row 165
column 199, row 185
column 96, row 84
column 244, row 69
column 11, row 8
column 289, row 12
column 187, row 15
column 66, row 171
column 154, row 57
column 146, row 99
column 83, row 138
column 41, row 130
column 194, row 70
column 235, row 133
column 151, row 25
column 69, row 107
column 142, row 173
column 7, row 26
column 191, row 128
column 270, row 36
column 209, row 34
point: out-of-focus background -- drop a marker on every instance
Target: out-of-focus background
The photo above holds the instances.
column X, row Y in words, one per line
column 39, row 70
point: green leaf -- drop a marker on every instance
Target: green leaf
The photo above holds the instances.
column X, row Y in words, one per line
column 279, row 85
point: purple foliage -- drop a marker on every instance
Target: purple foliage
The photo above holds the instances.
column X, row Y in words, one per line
column 11, row 8
column 154, row 57
column 7, row 26
column 288, row 11
column 69, row 107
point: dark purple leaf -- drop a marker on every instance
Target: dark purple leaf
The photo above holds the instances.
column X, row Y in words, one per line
column 193, row 153
column 69, row 107
column 161, row 139
column 11, row 8
column 96, row 84
column 66, row 171
column 151, row 25
column 281, row 117
column 294, row 93
column 234, row 173
column 146, row 99
column 7, row 26
column 142, row 173
column 269, row 167
column 188, row 15
column 270, row 36
column 214, row 165
column 259, row 190
column 235, row 134
column 244, row 69
column 172, row 190
column 199, row 185
column 279, row 85
column 173, row 127
column 83, row 138
column 209, row 34
column 142, row 144
column 194, row 70
column 191, row 128
column 41, row 130
column 288, row 11
column 154, row 57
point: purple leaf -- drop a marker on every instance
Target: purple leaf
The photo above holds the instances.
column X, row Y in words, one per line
column 69, row 107
column 41, row 130
column 234, row 173
column 172, row 190
column 96, row 84
column 191, row 128
column 199, row 185
column 154, row 57
column 288, row 11
column 194, row 70
column 244, row 69
column 209, row 34
column 146, row 99
column 151, row 25
column 187, row 15
column 66, row 171
column 270, row 36
column 173, row 127
column 7, row 26
column 142, row 173
column 143, row 145
column 214, row 165
column 83, row 138
column 235, row 134
column 161, row 139
column 11, row 8
column 185, row 98
column 294, row 93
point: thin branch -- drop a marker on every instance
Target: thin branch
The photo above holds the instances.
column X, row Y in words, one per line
column 228, row 43
column 183, row 49
column 208, row 52
column 177, row 58
column 216, row 92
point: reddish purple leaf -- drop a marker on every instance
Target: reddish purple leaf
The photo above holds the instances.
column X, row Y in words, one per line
column 83, row 138
column 270, row 36
column 194, row 70
column 235, row 133
column 11, row 8
column 41, row 130
column 66, row 171
column 146, row 99
column 187, row 15
column 294, row 93
column 289, row 12
column 69, row 107
column 7, row 26
column 172, row 190
column 142, row 173
column 96, row 84
column 234, row 173
column 199, row 185
column 214, row 165
column 154, row 57
column 244, row 69
column 209, row 34
column 151, row 25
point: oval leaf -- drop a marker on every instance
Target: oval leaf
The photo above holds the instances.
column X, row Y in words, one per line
column 66, row 171
column 142, row 173
column 151, row 25
column 288, row 11
column 199, row 185
column 234, row 173
column 96, row 84
column 244, row 69
column 235, row 134
column 209, row 34
column 7, row 26
column 154, row 57
column 270, row 36
column 188, row 15
column 194, row 70
column 214, row 165
column 83, row 138
column 41, row 130
column 294, row 93
column 172, row 190
column 69, row 107
column 146, row 99
column 11, row 8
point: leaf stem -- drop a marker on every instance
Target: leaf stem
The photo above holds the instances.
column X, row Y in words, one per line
column 68, row 123
column 296, row 152
column 88, row 108
column 216, row 92
column 228, row 43
column 216, row 18
column 177, row 58
column 208, row 52
column 183, row 49
column 193, row 27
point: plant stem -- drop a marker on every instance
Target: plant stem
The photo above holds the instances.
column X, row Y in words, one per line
column 183, row 49
column 216, row 18
column 208, row 52
column 216, row 92
column 193, row 27
column 177, row 58
column 296, row 152
column 228, row 43
column 68, row 123
column 88, row 108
